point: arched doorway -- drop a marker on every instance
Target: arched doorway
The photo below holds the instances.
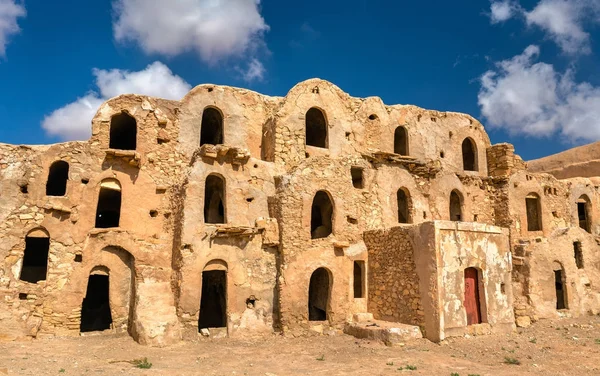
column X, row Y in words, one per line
column 560, row 286
column 213, row 301
column 455, row 206
column 469, row 155
column 584, row 211
column 321, row 216
column 211, row 129
column 95, row 308
column 35, row 257
column 472, row 301
column 403, row 200
column 108, row 211
column 214, row 199
column 56, row 185
column 319, row 291
column 401, row 141
column 316, row 128
column 123, row 132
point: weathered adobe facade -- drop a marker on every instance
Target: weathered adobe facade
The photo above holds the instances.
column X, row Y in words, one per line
column 230, row 209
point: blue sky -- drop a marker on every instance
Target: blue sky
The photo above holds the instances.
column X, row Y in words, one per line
column 527, row 70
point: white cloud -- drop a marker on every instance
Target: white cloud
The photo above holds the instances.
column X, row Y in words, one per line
column 502, row 10
column 215, row 29
column 528, row 97
column 254, row 72
column 562, row 20
column 10, row 11
column 73, row 121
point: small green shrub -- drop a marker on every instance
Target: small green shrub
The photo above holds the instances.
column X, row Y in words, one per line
column 142, row 363
column 389, row 364
column 411, row 368
column 321, row 358
column 509, row 360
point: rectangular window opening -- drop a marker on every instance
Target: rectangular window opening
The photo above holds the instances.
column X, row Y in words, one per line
column 357, row 177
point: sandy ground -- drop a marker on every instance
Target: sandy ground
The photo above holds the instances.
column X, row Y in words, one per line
column 549, row 347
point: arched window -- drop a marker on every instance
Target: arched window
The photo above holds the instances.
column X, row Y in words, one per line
column 211, row 129
column 321, row 216
column 401, row 141
column 214, row 199
column 318, row 295
column 403, row 199
column 213, row 301
column 108, row 212
column 35, row 258
column 584, row 211
column 455, row 206
column 316, row 128
column 123, row 132
column 57, row 179
column 534, row 212
column 469, row 155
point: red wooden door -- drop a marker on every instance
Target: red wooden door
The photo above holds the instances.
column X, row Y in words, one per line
column 472, row 297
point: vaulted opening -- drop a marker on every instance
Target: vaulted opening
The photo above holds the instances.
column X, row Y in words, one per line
column 35, row 258
column 472, row 302
column 211, row 129
column 359, row 279
column 401, row 141
column 214, row 199
column 560, row 286
column 403, row 198
column 316, row 128
column 123, row 132
column 108, row 211
column 584, row 213
column 455, row 206
column 321, row 218
column 469, row 155
column 534, row 212
column 318, row 295
column 357, row 177
column 578, row 254
column 56, row 185
column 95, row 309
column 213, row 302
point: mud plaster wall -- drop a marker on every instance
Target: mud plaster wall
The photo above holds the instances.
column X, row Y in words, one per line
column 464, row 245
column 394, row 284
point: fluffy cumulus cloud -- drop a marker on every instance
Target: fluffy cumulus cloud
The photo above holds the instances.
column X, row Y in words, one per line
column 215, row 29
column 73, row 121
column 528, row 97
column 10, row 11
column 501, row 11
column 562, row 20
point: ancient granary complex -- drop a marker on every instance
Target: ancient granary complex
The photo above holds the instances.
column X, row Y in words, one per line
column 248, row 214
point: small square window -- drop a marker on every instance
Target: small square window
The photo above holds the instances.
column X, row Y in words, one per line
column 357, row 177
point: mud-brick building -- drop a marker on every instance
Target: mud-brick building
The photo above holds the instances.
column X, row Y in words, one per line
column 234, row 213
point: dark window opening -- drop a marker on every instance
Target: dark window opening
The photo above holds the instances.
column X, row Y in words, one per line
column 455, row 206
column 108, row 212
column 534, row 217
column 22, row 296
column 78, row 258
column 401, row 141
column 211, row 129
column 213, row 303
column 318, row 295
column 123, row 132
column 35, row 259
column 23, row 188
column 95, row 309
column 57, row 179
column 469, row 154
column 403, row 206
column 583, row 214
column 321, row 218
column 359, row 272
column 578, row 254
column 316, row 128
column 214, row 200
column 560, row 289
column 357, row 177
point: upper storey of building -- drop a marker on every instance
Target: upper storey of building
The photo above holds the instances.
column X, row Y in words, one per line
column 315, row 118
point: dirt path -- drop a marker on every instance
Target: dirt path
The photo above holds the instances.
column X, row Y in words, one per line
column 562, row 347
